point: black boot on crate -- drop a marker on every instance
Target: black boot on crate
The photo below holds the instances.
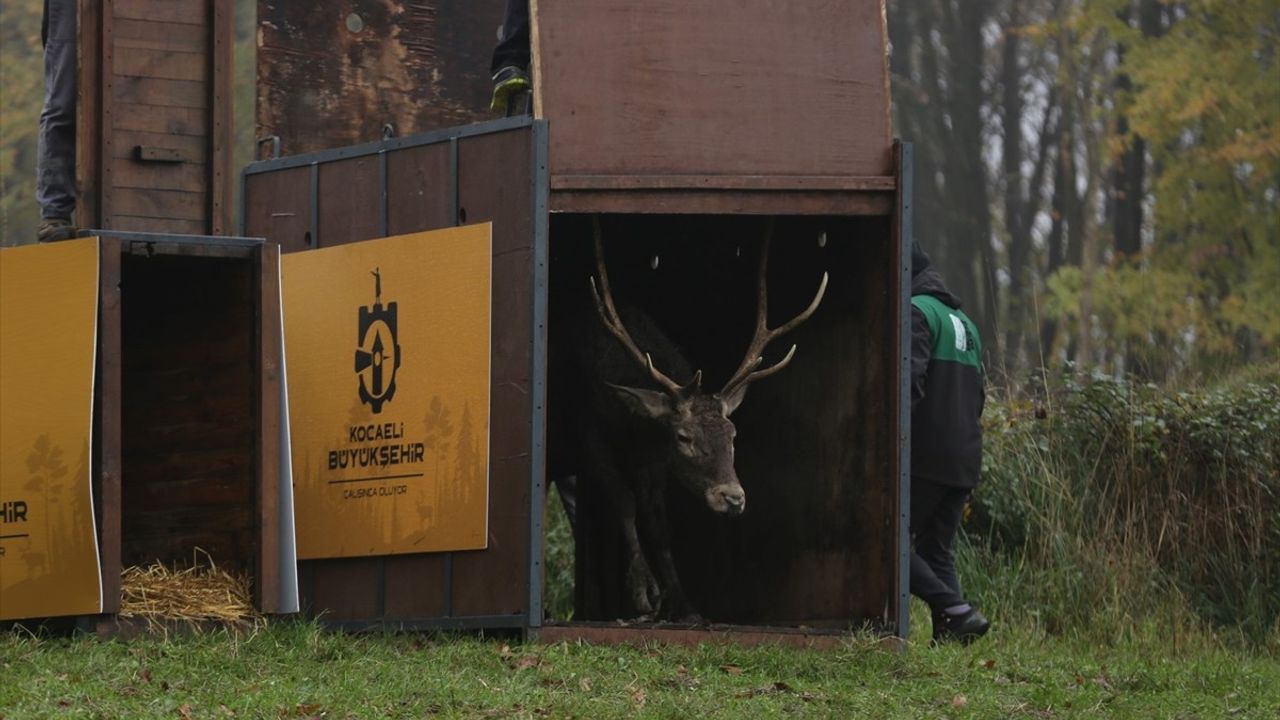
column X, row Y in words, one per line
column 510, row 89
column 55, row 229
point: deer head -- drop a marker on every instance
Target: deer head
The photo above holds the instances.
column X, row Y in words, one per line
column 699, row 434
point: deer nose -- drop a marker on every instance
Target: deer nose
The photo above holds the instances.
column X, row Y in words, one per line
column 735, row 498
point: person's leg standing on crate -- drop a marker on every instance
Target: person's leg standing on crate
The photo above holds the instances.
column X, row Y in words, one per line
column 510, row 65
column 56, row 145
column 947, row 396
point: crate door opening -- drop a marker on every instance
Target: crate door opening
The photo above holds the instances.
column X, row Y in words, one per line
column 188, row 418
column 815, row 453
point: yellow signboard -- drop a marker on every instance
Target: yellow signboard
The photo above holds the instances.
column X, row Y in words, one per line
column 48, row 340
column 387, row 343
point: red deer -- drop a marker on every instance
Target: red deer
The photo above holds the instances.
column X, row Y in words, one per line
column 634, row 440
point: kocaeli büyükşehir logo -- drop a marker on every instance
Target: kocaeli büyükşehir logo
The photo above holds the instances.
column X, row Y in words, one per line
column 377, row 352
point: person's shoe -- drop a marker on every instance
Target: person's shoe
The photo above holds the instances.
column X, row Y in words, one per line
column 55, row 229
column 507, row 82
column 963, row 627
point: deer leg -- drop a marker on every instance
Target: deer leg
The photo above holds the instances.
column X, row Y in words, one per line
column 641, row 584
column 673, row 604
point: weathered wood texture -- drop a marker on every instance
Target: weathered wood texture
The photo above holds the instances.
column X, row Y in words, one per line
column 817, row 443
column 187, row 454
column 677, row 88
column 154, row 127
column 494, row 182
column 332, row 73
column 646, row 636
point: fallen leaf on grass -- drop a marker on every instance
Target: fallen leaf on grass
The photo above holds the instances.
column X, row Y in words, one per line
column 184, row 711
column 732, row 669
column 778, row 687
column 959, row 701
column 584, row 684
column 227, row 711
column 989, row 664
column 504, row 652
column 638, row 697
column 524, row 662
column 145, row 675
column 64, row 703
column 552, row 682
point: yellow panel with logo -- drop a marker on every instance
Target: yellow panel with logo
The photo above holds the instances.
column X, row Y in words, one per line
column 48, row 337
column 387, row 343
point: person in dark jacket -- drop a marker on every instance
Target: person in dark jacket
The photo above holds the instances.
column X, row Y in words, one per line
column 947, row 397
column 56, row 143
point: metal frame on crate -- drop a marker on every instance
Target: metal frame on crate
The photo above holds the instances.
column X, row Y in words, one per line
column 531, row 618
column 905, row 158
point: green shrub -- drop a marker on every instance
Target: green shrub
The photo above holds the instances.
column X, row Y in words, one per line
column 1118, row 502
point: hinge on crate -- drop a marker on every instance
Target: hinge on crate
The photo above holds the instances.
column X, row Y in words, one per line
column 147, row 153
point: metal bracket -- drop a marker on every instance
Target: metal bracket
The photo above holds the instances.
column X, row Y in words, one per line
column 275, row 147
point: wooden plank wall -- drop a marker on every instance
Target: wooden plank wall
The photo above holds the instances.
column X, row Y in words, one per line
column 686, row 92
column 332, row 73
column 155, row 121
column 494, row 183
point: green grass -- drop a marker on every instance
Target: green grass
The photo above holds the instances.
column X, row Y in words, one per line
column 295, row 669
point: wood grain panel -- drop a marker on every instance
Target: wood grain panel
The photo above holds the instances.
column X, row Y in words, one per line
column 755, row 87
column 350, row 201
column 416, row 64
column 415, row 586
column 157, row 91
column 187, row 177
column 124, row 147
column 418, row 189
column 163, row 120
column 345, row 589
column 278, row 207
column 164, row 64
column 173, row 226
column 153, row 35
column 163, row 204
column 190, row 12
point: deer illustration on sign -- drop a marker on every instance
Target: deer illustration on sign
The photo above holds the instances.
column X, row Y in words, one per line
column 378, row 352
column 635, row 439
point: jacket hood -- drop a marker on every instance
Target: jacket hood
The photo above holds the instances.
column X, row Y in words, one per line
column 929, row 282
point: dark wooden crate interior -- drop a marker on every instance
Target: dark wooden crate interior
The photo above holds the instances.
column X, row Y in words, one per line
column 817, row 447
column 188, row 434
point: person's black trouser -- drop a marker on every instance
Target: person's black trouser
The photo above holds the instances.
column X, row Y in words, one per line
column 514, row 48
column 56, row 143
column 936, row 511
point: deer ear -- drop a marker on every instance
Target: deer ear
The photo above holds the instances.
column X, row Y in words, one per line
column 734, row 399
column 646, row 403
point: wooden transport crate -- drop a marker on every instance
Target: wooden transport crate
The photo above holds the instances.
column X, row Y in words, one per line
column 154, row 113
column 184, row 462
column 682, row 126
column 481, row 173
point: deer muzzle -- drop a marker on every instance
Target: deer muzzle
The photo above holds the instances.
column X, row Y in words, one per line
column 727, row 498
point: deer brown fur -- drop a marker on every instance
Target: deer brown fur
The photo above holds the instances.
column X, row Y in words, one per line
column 642, row 429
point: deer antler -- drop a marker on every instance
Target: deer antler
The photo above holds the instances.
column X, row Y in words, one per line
column 609, row 316
column 747, row 372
